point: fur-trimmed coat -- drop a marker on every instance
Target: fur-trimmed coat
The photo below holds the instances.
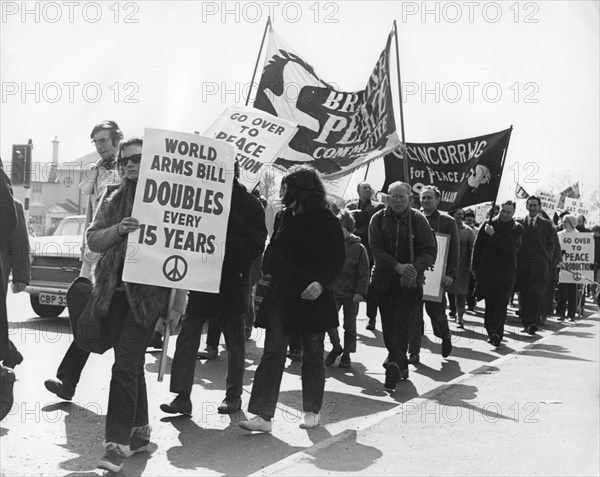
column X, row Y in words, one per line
column 147, row 302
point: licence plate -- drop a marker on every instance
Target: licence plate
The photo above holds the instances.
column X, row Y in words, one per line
column 52, row 299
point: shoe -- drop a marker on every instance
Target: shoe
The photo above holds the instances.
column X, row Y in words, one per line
column 345, row 361
column 209, row 353
column 446, row 347
column 333, row 354
column 180, row 405
column 413, row 358
column 392, row 376
column 156, row 341
column 248, row 332
column 295, row 355
column 460, row 324
column 403, row 374
column 257, row 423
column 561, row 318
column 371, row 325
column 140, row 439
column 385, row 363
column 495, row 340
column 14, row 357
column 113, row 457
column 452, row 316
column 572, row 320
column 64, row 389
column 531, row 329
column 7, row 383
column 229, row 406
column 311, row 420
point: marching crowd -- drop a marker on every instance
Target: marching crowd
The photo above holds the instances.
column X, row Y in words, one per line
column 316, row 263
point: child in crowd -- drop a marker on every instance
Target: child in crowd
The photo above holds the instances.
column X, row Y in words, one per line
column 349, row 289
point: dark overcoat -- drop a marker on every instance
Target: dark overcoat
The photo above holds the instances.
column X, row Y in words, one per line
column 245, row 242
column 495, row 260
column 305, row 248
column 535, row 256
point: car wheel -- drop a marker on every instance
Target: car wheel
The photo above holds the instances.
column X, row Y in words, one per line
column 45, row 311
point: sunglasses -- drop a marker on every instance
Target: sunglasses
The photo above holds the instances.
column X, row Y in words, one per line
column 135, row 158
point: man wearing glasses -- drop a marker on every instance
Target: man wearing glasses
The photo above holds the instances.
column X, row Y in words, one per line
column 106, row 136
column 403, row 247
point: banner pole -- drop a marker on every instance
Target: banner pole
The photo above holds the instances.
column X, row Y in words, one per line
column 405, row 158
column 162, row 367
column 258, row 59
column 501, row 172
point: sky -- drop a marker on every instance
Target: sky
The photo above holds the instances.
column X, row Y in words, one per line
column 467, row 69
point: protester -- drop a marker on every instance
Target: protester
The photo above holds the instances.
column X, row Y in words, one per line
column 132, row 311
column 245, row 240
column 457, row 292
column 532, row 263
column 105, row 136
column 363, row 210
column 349, row 289
column 8, row 225
column 582, row 224
column 547, row 301
column 567, row 292
column 495, row 267
column 403, row 247
column 304, row 256
column 440, row 222
column 470, row 222
column 15, row 259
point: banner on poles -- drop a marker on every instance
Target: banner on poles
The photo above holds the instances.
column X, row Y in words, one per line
column 337, row 131
column 466, row 171
column 577, row 257
column 257, row 136
column 182, row 202
column 571, row 192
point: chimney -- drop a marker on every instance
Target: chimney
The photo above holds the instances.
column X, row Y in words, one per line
column 54, row 166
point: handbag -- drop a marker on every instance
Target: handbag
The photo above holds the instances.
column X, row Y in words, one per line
column 91, row 333
column 262, row 287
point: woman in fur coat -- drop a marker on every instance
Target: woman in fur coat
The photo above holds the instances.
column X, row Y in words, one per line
column 304, row 257
column 132, row 311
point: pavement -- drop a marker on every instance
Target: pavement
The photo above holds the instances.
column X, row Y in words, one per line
column 529, row 407
column 533, row 412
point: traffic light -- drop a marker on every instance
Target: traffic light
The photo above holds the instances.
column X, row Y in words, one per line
column 21, row 164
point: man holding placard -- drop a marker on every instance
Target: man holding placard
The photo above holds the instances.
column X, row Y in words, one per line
column 440, row 223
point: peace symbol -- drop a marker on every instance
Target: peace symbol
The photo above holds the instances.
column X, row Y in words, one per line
column 577, row 276
column 175, row 268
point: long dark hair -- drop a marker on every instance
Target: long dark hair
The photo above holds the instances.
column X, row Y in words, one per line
column 305, row 187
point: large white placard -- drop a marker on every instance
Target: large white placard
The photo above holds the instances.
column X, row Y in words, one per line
column 182, row 200
column 549, row 201
column 432, row 288
column 257, row 136
column 577, row 257
column 576, row 207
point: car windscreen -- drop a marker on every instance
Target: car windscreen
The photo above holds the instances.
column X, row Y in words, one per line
column 70, row 227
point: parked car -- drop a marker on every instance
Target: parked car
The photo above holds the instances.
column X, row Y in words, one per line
column 55, row 263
